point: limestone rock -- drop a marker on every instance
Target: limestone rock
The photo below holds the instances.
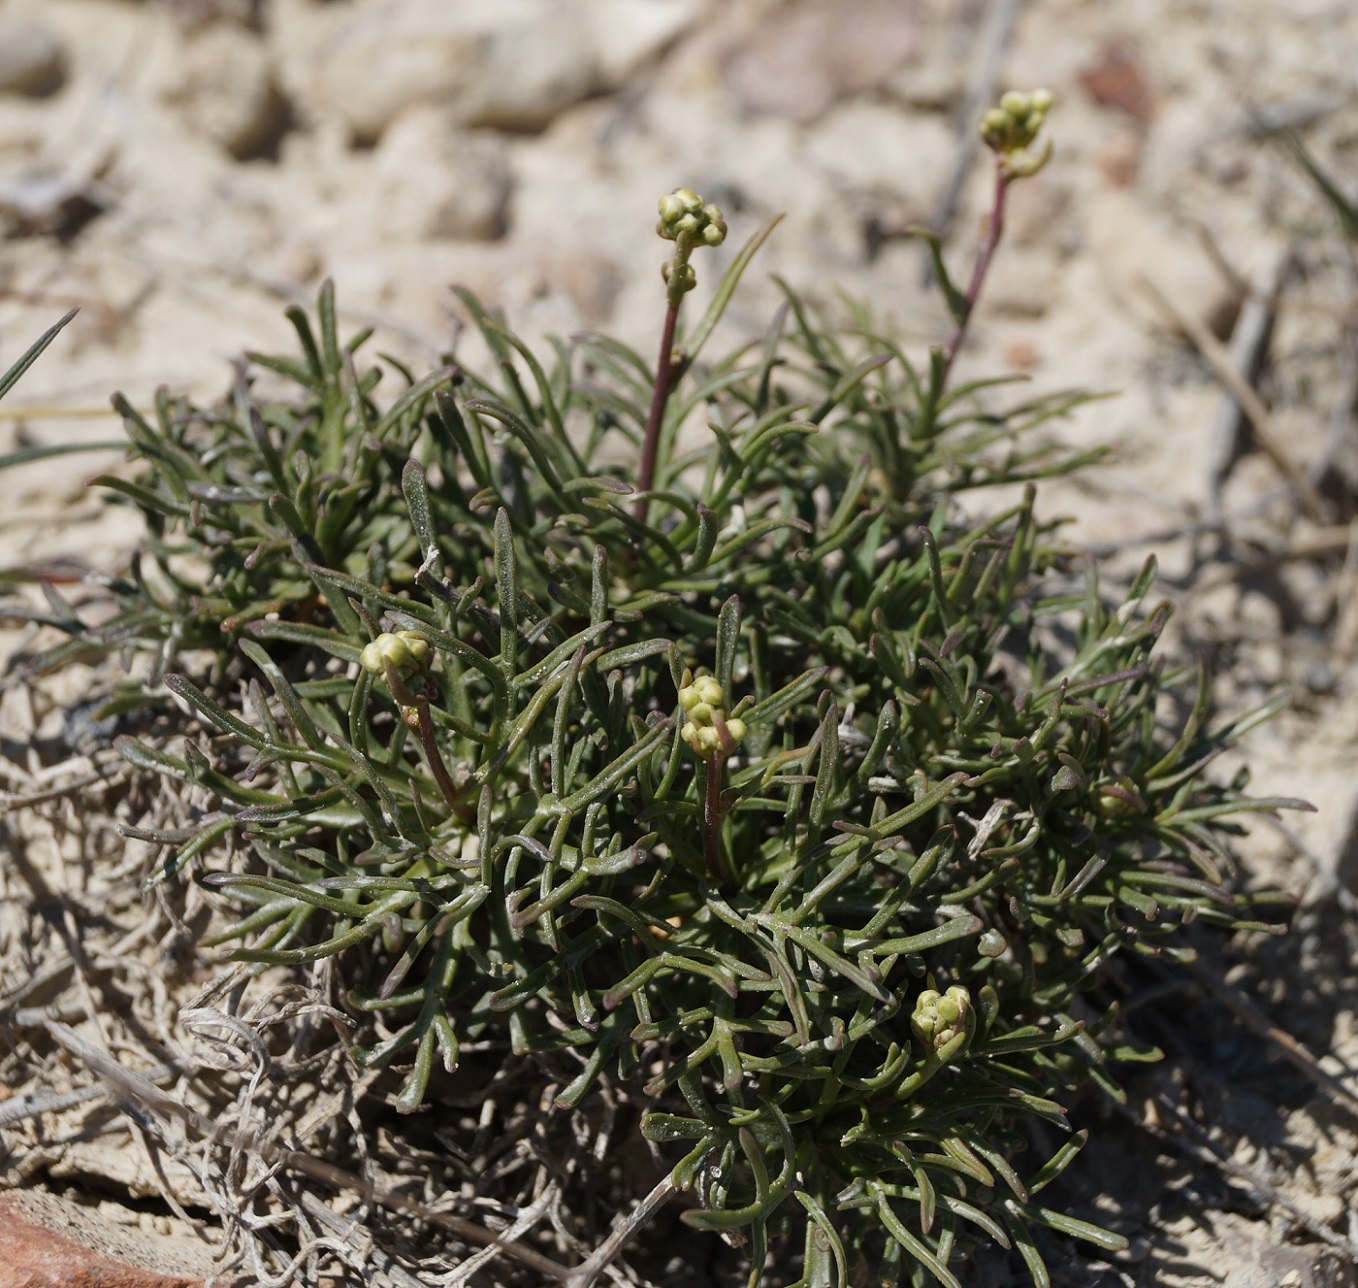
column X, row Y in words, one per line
column 439, row 181
column 628, row 34
column 1134, row 244
column 32, row 61
column 512, row 64
column 49, row 1240
column 801, row 58
column 1022, row 284
column 225, row 89
column 867, row 145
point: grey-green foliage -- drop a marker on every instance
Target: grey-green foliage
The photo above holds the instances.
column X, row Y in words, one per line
column 956, row 800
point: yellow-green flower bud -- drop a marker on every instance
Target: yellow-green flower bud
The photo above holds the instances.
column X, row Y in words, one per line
column 938, row 1018
column 1010, row 128
column 408, row 652
column 687, row 222
column 714, row 227
column 681, row 211
column 703, row 740
column 1116, row 797
column 704, row 689
column 1021, row 163
column 708, row 730
column 687, row 278
column 995, row 126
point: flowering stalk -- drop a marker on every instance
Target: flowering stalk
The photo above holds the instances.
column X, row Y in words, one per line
column 403, row 659
column 944, row 1025
column 1007, row 130
column 712, row 735
column 688, row 223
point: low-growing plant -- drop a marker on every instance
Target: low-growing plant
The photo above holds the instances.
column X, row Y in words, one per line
column 768, row 776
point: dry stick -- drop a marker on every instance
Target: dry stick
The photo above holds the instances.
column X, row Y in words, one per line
column 1204, row 1149
column 99, row 777
column 980, row 91
column 1292, row 1051
column 126, row 1084
column 1249, row 341
column 1265, row 432
column 347, row 1228
column 1215, row 1154
column 1331, row 540
column 603, row 1256
column 21, row 1107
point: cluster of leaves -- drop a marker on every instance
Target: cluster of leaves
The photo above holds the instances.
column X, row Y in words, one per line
column 950, row 778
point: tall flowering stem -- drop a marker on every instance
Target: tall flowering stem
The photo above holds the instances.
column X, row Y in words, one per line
column 994, row 231
column 650, row 446
column 403, row 659
column 688, row 223
column 1008, row 131
column 712, row 734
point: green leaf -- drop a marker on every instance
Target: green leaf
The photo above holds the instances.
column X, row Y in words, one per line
column 183, row 687
column 726, row 289
column 954, row 298
column 32, row 353
column 1063, row 1224
column 954, row 928
column 24, row 455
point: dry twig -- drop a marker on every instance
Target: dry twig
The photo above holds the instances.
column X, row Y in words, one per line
column 1249, row 342
column 1294, row 1052
column 1265, row 431
column 129, row 1086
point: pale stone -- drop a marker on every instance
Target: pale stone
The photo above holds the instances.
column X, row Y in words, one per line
column 513, row 64
column 440, row 181
column 1021, row 284
column 31, row 58
column 803, row 57
column 628, row 34
column 1135, row 244
column 873, row 145
column 225, row 89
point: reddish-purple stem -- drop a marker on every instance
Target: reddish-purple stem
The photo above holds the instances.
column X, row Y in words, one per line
column 447, row 788
column 650, row 447
column 993, row 234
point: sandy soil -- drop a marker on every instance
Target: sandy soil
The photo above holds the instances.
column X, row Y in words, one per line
column 183, row 169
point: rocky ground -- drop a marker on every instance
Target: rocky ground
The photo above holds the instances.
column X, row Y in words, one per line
column 183, row 169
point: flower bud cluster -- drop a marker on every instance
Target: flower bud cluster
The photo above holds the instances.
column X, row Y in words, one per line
column 1009, row 129
column 686, row 222
column 408, row 652
column 939, row 1018
column 682, row 214
column 708, row 729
